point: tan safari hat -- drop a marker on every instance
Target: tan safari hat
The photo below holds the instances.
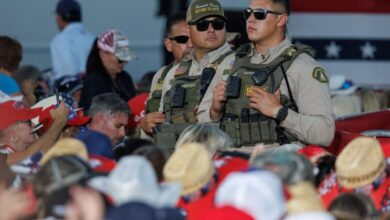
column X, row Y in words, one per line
column 304, row 198
column 360, row 163
column 66, row 146
column 190, row 165
column 199, row 9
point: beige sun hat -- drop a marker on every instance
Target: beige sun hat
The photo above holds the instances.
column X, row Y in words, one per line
column 304, row 198
column 66, row 146
column 360, row 163
column 191, row 166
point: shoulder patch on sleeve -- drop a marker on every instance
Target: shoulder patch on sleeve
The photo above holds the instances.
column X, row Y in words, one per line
column 319, row 74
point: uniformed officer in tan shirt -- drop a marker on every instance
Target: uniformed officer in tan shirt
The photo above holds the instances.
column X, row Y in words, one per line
column 209, row 44
column 266, row 28
column 178, row 42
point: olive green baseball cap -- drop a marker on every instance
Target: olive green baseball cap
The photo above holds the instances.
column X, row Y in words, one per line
column 199, row 9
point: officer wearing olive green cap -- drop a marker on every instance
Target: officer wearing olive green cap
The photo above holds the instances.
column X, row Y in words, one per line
column 276, row 92
column 187, row 88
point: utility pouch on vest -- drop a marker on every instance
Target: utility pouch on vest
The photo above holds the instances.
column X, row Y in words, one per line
column 154, row 102
column 165, row 135
column 260, row 76
column 254, row 127
column 178, row 97
column 264, row 128
column 178, row 119
column 205, row 80
column 231, row 127
column 233, row 87
column 191, row 117
column 272, row 127
column 245, row 130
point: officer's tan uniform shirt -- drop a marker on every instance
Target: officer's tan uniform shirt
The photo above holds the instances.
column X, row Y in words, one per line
column 314, row 123
column 203, row 113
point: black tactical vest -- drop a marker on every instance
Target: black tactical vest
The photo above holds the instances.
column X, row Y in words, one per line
column 245, row 125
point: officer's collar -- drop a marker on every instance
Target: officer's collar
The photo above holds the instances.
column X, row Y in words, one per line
column 271, row 53
column 213, row 55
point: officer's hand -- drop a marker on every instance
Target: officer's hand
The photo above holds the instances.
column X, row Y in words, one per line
column 219, row 99
column 151, row 120
column 264, row 102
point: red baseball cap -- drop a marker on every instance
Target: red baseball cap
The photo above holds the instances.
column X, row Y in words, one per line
column 313, row 152
column 12, row 111
column 46, row 120
column 137, row 106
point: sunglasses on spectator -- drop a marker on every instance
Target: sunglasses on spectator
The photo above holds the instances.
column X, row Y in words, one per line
column 218, row 24
column 121, row 61
column 259, row 13
column 180, row 39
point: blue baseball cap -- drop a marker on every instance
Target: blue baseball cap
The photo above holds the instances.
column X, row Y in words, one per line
column 137, row 210
column 68, row 9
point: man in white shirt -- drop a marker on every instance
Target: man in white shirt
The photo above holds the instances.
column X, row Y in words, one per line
column 70, row 48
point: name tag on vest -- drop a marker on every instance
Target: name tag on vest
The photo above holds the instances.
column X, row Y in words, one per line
column 249, row 89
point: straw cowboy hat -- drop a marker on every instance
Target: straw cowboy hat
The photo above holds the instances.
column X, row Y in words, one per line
column 65, row 146
column 191, row 165
column 360, row 163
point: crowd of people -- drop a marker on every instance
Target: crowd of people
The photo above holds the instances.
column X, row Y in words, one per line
column 221, row 132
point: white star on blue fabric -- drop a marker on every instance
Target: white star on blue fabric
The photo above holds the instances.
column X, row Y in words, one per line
column 368, row 51
column 333, row 50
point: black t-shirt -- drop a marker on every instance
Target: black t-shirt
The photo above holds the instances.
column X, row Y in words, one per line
column 97, row 83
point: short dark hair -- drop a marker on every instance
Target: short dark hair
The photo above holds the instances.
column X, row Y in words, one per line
column 285, row 3
column 174, row 19
column 157, row 157
column 10, row 53
column 69, row 10
column 348, row 206
column 109, row 103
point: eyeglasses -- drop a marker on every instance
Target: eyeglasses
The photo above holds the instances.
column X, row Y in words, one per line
column 259, row 13
column 181, row 39
column 218, row 24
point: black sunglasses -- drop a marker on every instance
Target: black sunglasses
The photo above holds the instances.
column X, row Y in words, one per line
column 218, row 24
column 259, row 13
column 121, row 61
column 181, row 39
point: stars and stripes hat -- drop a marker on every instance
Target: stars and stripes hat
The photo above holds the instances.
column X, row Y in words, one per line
column 115, row 42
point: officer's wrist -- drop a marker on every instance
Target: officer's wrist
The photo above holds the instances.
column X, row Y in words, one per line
column 281, row 114
column 214, row 114
column 276, row 110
